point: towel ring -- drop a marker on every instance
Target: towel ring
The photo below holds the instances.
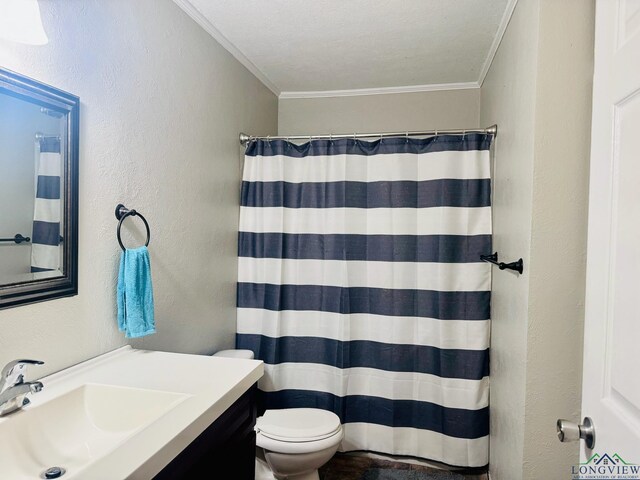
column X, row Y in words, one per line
column 123, row 212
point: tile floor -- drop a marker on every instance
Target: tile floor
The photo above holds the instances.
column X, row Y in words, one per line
column 355, row 467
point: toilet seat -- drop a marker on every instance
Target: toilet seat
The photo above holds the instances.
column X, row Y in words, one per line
column 298, row 424
column 278, row 446
column 298, row 430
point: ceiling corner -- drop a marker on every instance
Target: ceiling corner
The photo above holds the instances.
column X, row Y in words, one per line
column 201, row 20
column 502, row 28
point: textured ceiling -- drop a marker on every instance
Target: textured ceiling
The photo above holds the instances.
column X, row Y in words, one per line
column 321, row 45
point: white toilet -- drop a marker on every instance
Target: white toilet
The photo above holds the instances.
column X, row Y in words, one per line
column 294, row 442
column 298, row 441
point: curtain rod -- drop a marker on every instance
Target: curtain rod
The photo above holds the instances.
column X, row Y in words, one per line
column 492, row 130
column 42, row 136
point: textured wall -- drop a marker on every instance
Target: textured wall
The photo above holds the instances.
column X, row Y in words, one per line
column 508, row 99
column 538, row 90
column 380, row 113
column 162, row 105
column 558, row 234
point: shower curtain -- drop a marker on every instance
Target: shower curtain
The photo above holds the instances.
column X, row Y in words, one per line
column 45, row 238
column 361, row 288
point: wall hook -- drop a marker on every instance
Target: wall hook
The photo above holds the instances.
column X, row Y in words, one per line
column 518, row 265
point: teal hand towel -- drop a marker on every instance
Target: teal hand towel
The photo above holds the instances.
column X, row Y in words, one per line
column 135, row 294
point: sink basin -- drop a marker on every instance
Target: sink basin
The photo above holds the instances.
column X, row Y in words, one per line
column 77, row 428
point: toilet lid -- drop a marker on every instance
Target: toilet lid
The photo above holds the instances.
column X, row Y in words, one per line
column 298, row 424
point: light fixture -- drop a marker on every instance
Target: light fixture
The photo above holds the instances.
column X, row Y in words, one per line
column 20, row 22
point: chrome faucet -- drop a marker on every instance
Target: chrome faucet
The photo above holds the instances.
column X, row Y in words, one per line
column 13, row 388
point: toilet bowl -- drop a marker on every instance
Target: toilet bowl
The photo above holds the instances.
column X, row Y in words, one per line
column 293, row 442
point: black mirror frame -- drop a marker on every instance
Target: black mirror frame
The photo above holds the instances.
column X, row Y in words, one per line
column 32, row 91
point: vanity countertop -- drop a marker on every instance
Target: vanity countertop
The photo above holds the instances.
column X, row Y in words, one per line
column 210, row 385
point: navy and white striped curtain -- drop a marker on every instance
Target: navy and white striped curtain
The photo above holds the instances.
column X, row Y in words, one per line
column 45, row 238
column 361, row 288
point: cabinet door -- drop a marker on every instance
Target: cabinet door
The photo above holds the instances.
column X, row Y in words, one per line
column 225, row 450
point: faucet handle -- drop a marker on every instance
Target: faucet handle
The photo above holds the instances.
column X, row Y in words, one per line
column 13, row 372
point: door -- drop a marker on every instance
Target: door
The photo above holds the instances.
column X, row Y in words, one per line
column 611, row 377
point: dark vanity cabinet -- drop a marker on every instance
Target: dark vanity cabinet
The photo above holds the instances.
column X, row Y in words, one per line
column 225, row 450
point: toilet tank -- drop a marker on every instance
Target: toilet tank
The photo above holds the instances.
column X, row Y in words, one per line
column 248, row 354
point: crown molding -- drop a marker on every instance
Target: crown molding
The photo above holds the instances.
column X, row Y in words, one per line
column 380, row 91
column 497, row 40
column 201, row 20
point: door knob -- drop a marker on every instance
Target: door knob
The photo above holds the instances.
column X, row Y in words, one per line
column 572, row 432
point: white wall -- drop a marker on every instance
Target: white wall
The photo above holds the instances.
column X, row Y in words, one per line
column 538, row 91
column 161, row 107
column 508, row 99
column 558, row 233
column 380, row 113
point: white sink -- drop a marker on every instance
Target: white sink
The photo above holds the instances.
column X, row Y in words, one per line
column 123, row 415
column 75, row 429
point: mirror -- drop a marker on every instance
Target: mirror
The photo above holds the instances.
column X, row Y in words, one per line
column 38, row 191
